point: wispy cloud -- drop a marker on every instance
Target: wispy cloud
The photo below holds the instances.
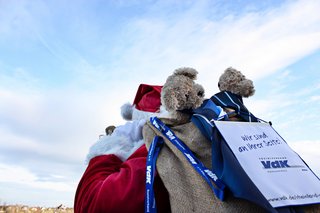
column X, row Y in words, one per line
column 256, row 43
column 51, row 122
column 306, row 151
column 20, row 175
column 315, row 98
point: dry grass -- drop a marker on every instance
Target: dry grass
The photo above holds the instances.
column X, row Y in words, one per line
column 27, row 209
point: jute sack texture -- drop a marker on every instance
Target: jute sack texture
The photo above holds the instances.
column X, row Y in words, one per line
column 188, row 191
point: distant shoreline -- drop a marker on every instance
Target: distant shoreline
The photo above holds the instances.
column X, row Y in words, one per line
column 7, row 208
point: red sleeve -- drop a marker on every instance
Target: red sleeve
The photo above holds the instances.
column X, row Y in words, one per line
column 110, row 185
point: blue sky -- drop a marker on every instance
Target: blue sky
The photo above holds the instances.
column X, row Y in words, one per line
column 66, row 67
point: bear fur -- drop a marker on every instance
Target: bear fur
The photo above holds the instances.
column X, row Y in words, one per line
column 180, row 93
column 188, row 191
column 234, row 81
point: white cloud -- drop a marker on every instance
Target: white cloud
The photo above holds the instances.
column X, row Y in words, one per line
column 256, row 43
column 21, row 175
column 315, row 98
column 288, row 99
column 17, row 21
column 56, row 123
column 308, row 152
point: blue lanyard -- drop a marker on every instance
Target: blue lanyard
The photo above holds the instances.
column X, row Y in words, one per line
column 149, row 200
column 218, row 187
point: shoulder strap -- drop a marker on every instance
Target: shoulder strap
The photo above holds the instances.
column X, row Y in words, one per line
column 213, row 181
column 149, row 200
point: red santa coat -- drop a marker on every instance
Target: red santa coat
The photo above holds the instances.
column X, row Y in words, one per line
column 110, row 185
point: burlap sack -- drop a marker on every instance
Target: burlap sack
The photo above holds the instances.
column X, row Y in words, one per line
column 188, row 192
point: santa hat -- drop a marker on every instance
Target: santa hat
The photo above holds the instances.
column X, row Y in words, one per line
column 146, row 102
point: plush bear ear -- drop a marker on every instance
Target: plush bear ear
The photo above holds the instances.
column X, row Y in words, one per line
column 199, row 90
column 234, row 81
column 169, row 99
column 246, row 88
column 187, row 71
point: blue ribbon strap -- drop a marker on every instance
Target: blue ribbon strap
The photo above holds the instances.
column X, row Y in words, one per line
column 155, row 147
column 218, row 187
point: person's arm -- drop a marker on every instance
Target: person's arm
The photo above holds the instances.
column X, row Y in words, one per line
column 115, row 182
column 110, row 185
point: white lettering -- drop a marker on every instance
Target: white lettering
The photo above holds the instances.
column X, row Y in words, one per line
column 170, row 135
column 155, row 124
column 211, row 174
column 148, row 174
column 191, row 158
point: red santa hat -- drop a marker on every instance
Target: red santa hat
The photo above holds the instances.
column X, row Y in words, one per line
column 146, row 102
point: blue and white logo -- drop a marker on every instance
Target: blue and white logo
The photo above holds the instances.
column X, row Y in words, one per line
column 275, row 164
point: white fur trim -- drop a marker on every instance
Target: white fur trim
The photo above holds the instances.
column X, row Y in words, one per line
column 117, row 145
column 138, row 114
column 131, row 129
column 125, row 139
column 126, row 111
column 123, row 142
column 129, row 112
